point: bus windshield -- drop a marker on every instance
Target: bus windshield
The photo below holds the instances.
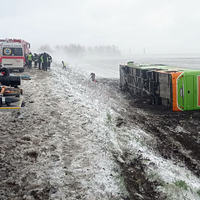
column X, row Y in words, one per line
column 12, row 51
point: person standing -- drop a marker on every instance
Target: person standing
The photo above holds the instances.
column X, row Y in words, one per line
column 26, row 59
column 42, row 61
column 64, row 65
column 35, row 59
column 30, row 59
column 49, row 61
column 45, row 61
column 39, row 60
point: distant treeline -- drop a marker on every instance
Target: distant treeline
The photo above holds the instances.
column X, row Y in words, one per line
column 76, row 50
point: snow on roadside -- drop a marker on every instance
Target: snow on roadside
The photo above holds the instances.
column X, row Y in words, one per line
column 93, row 165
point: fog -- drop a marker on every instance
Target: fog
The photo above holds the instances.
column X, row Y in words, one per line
column 134, row 26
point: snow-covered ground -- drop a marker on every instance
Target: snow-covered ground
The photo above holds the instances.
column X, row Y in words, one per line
column 64, row 144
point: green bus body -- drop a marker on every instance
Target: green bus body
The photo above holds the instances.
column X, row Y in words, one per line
column 188, row 90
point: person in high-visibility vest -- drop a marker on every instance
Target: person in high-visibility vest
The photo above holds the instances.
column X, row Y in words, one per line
column 30, row 59
column 64, row 65
column 41, row 58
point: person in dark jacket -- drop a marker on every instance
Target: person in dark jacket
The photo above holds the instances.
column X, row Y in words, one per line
column 26, row 60
column 39, row 60
column 45, row 61
column 49, row 61
column 35, row 59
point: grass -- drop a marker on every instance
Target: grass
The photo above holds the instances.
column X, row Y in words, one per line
column 198, row 192
column 109, row 118
column 181, row 184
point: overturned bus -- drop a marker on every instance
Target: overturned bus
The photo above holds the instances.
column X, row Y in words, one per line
column 176, row 89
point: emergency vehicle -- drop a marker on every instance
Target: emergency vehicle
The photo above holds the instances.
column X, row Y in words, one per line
column 13, row 53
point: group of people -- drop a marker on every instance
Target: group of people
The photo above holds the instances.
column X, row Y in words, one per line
column 42, row 60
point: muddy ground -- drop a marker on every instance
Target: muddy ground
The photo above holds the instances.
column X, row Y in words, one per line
column 54, row 149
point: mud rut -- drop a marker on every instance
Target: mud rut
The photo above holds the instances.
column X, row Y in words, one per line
column 172, row 142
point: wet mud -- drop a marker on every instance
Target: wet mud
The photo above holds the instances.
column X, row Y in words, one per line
column 137, row 182
column 177, row 133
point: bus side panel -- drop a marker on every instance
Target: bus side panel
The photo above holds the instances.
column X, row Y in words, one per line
column 189, row 93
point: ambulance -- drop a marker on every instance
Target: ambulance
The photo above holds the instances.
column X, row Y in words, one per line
column 13, row 53
column 11, row 56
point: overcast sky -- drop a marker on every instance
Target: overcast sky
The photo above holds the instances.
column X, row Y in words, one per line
column 168, row 26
